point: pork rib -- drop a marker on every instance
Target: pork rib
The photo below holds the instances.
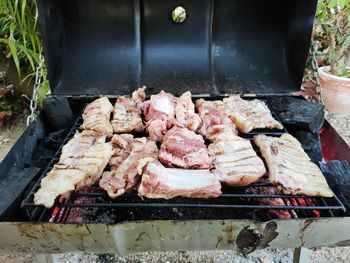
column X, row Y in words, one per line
column 81, row 164
column 185, row 115
column 249, row 114
column 184, row 149
column 127, row 175
column 159, row 112
column 212, row 113
column 126, row 113
column 235, row 161
column 160, row 182
column 96, row 116
column 290, row 168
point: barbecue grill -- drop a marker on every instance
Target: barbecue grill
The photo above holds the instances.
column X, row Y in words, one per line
column 107, row 47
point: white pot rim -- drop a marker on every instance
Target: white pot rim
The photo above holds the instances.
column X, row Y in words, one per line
column 324, row 71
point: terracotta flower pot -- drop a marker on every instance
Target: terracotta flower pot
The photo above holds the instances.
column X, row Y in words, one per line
column 335, row 91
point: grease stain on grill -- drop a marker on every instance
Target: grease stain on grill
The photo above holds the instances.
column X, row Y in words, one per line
column 269, row 234
column 248, row 239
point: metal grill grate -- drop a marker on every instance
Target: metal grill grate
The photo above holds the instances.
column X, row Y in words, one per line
column 233, row 203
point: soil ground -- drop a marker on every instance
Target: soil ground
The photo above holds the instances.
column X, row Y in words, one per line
column 324, row 255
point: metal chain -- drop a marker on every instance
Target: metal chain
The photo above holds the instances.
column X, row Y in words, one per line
column 314, row 66
column 38, row 80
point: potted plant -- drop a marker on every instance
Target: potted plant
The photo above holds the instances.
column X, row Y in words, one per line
column 332, row 36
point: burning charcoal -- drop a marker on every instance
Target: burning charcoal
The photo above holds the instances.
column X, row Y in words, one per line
column 299, row 114
column 311, row 144
column 337, row 174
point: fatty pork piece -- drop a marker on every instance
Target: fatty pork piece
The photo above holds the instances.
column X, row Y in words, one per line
column 73, row 172
column 127, row 175
column 212, row 113
column 184, row 149
column 122, row 146
column 249, row 114
column 126, row 113
column 80, row 142
column 235, row 161
column 159, row 112
column 185, row 115
column 290, row 168
column 97, row 115
column 160, row 182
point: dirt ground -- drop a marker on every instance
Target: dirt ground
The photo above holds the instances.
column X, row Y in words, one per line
column 324, row 255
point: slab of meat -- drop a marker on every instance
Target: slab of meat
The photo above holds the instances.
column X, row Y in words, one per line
column 97, row 115
column 74, row 171
column 235, row 161
column 81, row 141
column 290, row 168
column 160, row 182
column 249, row 114
column 212, row 113
column 159, row 112
column 126, row 113
column 122, row 146
column 184, row 149
column 127, row 174
column 185, row 115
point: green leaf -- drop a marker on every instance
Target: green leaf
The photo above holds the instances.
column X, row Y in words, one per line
column 342, row 3
column 13, row 48
column 332, row 3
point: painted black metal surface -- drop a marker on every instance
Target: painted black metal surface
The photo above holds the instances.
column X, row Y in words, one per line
column 109, row 47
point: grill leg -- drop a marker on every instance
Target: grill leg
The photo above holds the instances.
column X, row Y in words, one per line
column 301, row 255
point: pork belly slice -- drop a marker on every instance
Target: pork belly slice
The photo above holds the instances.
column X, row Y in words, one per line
column 184, row 149
column 212, row 113
column 159, row 112
column 290, row 168
column 235, row 161
column 160, row 182
column 126, row 113
column 73, row 173
column 185, row 115
column 80, row 142
column 250, row 114
column 127, row 175
column 97, row 115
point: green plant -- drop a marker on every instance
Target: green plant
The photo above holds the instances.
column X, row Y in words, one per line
column 333, row 16
column 20, row 38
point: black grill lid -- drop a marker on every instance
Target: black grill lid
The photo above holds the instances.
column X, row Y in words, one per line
column 110, row 47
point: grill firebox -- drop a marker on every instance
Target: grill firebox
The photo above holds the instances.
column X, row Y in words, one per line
column 253, row 202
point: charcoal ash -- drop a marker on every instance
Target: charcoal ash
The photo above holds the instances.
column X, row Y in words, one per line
column 298, row 114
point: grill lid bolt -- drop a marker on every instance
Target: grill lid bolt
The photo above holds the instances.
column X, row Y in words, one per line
column 178, row 14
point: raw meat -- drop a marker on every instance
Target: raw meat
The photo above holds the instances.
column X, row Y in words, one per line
column 122, row 146
column 126, row 113
column 185, row 115
column 235, row 161
column 159, row 112
column 249, row 114
column 81, row 141
column 81, row 164
column 96, row 116
column 184, row 149
column 290, row 168
column 160, row 182
column 127, row 174
column 212, row 113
